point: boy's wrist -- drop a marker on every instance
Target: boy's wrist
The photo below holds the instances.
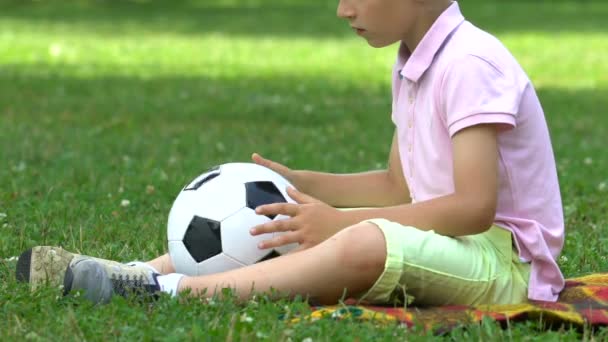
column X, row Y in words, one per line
column 297, row 178
column 348, row 217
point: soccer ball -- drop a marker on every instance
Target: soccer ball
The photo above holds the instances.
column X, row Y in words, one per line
column 209, row 222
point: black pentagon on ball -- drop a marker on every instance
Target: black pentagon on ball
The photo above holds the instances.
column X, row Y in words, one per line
column 211, row 173
column 203, row 238
column 270, row 255
column 260, row 193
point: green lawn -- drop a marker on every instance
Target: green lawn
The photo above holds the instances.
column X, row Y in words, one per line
column 105, row 101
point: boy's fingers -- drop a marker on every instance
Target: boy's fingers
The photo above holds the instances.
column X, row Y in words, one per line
column 278, row 241
column 289, row 209
column 282, row 169
column 300, row 197
column 271, row 227
column 257, row 158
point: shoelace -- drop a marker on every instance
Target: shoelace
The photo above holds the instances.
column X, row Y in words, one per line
column 124, row 285
column 138, row 285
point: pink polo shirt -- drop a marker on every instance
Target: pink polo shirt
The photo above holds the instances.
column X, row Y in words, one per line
column 460, row 76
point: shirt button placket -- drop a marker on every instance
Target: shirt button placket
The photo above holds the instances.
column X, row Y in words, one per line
column 410, row 125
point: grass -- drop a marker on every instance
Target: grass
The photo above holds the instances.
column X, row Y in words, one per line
column 105, row 101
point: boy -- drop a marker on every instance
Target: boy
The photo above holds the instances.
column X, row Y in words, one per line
column 467, row 212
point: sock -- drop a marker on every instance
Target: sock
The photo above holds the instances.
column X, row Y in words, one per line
column 168, row 283
column 143, row 264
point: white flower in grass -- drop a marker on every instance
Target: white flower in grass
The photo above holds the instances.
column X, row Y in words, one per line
column 563, row 258
column 308, row 339
column 260, row 334
column 602, row 186
column 125, row 203
column 588, row 161
column 19, row 167
column 2, row 216
column 32, row 336
column 246, row 318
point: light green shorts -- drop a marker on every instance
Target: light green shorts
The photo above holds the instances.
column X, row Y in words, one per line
column 426, row 268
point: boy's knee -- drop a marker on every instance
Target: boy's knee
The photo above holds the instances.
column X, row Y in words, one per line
column 361, row 247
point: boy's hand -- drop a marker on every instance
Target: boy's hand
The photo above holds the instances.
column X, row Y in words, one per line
column 311, row 221
column 281, row 169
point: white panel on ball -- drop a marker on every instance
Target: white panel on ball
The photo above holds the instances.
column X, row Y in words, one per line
column 181, row 259
column 237, row 242
column 218, row 263
column 228, row 198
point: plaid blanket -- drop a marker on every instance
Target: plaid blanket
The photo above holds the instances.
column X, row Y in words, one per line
column 584, row 301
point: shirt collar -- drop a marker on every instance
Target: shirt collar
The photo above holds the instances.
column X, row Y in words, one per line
column 413, row 65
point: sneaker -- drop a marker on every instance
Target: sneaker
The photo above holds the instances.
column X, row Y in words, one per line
column 48, row 266
column 56, row 267
column 101, row 281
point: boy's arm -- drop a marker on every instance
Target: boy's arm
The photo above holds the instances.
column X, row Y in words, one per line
column 379, row 188
column 471, row 209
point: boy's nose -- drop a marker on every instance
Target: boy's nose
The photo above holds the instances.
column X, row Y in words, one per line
column 345, row 11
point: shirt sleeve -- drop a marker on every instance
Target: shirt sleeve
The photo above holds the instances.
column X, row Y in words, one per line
column 474, row 91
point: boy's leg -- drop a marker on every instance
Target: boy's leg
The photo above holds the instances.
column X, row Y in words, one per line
column 162, row 264
column 345, row 265
column 432, row 269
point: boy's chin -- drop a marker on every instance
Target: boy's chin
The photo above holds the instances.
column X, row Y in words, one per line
column 379, row 44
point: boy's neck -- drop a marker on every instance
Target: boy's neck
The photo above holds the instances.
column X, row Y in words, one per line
column 430, row 11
